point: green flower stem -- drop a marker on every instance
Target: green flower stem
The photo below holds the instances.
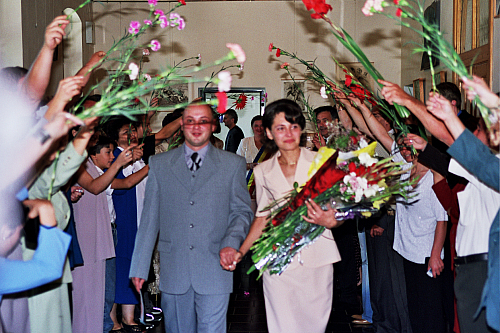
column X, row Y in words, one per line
column 439, row 48
column 53, row 177
column 78, row 8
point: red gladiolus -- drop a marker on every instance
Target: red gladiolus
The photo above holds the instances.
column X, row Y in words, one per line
column 354, row 139
column 320, row 7
column 348, row 80
column 327, row 176
column 399, row 11
column 222, row 98
column 183, row 2
column 241, row 102
column 278, row 52
column 396, row 2
column 271, row 47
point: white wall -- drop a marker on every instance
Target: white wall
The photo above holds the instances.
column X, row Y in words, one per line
column 11, row 38
column 254, row 24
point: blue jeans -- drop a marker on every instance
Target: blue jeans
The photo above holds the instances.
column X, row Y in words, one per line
column 365, row 287
column 109, row 288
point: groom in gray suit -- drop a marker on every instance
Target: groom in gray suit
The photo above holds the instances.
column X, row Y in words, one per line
column 198, row 202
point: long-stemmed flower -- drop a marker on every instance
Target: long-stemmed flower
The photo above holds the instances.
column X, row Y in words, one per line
column 121, row 99
column 435, row 44
column 351, row 86
column 319, row 13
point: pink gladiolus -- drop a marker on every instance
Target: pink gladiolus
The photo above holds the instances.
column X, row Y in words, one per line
column 225, row 81
column 147, row 77
column 284, row 65
column 145, row 52
column 199, row 57
column 155, row 45
column 271, row 47
column 153, row 2
column 148, row 22
column 158, row 12
column 238, row 52
column 163, row 21
column 134, row 71
column 134, row 27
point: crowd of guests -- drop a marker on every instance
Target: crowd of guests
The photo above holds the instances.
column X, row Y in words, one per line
column 93, row 218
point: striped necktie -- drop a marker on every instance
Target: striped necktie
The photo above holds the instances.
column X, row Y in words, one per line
column 196, row 162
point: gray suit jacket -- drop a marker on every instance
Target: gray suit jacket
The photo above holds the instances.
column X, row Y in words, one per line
column 196, row 216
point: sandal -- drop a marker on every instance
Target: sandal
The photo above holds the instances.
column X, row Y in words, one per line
column 131, row 328
column 120, row 330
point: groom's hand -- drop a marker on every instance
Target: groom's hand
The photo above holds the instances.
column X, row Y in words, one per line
column 227, row 258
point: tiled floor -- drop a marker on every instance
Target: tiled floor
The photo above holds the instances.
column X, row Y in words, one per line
column 247, row 313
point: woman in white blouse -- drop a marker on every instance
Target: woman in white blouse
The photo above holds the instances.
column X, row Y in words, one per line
column 249, row 147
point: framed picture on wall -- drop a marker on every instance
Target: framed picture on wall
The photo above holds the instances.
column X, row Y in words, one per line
column 294, row 90
column 247, row 102
column 359, row 71
column 169, row 96
column 419, row 89
column 440, row 77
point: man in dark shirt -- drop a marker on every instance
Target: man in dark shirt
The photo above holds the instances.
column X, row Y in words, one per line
column 235, row 134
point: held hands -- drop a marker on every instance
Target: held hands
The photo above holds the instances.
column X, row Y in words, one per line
column 436, row 264
column 228, row 258
column 43, row 209
column 316, row 215
column 54, row 32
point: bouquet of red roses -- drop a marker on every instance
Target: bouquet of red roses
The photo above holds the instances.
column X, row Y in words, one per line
column 359, row 191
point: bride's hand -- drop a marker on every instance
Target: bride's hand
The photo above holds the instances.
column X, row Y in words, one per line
column 316, row 215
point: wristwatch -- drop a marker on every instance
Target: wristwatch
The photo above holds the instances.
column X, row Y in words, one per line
column 42, row 135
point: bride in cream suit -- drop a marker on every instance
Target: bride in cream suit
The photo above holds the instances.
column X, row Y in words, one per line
column 300, row 299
